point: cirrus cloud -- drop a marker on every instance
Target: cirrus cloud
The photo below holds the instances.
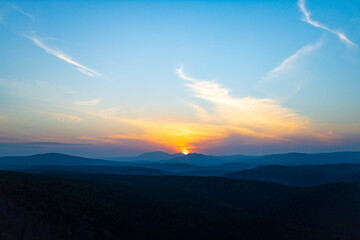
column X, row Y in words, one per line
column 66, row 118
column 89, row 102
column 307, row 18
column 57, row 53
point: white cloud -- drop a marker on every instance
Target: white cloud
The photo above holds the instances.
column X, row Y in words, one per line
column 66, row 118
column 89, row 102
column 22, row 11
column 57, row 53
column 52, row 86
column 112, row 110
column 247, row 115
column 307, row 19
column 292, row 59
column 83, row 71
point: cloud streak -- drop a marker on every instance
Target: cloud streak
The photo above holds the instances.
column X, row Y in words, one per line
column 260, row 117
column 57, row 53
column 257, row 121
column 48, row 85
column 307, row 18
column 89, row 102
column 22, row 11
column 307, row 49
column 66, row 118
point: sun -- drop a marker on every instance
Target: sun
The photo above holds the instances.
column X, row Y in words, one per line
column 185, row 152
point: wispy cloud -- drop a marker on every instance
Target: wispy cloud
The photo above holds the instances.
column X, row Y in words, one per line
column 89, row 102
column 292, row 59
column 66, row 118
column 52, row 51
column 21, row 11
column 307, row 18
column 256, row 120
column 260, row 120
column 264, row 117
column 83, row 71
column 87, row 138
column 112, row 110
column 8, row 7
column 57, row 53
column 52, row 86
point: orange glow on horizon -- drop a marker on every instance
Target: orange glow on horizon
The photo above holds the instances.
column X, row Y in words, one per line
column 185, row 152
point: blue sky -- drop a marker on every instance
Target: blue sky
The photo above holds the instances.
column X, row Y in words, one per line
column 119, row 78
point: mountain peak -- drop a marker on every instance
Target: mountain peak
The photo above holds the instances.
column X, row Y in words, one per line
column 157, row 155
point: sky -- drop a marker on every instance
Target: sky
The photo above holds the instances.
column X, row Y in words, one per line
column 118, row 78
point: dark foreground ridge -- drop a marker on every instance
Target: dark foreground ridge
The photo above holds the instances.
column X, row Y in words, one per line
column 90, row 206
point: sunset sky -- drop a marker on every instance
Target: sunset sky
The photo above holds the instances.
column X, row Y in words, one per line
column 116, row 78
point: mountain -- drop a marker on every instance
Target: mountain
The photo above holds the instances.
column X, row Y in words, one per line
column 65, row 164
column 55, row 162
column 308, row 159
column 174, row 167
column 88, row 206
column 52, row 159
column 308, row 175
column 157, row 155
column 289, row 159
column 193, row 164
column 123, row 170
column 149, row 156
column 199, row 159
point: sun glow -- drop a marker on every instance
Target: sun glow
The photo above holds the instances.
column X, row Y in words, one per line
column 185, row 152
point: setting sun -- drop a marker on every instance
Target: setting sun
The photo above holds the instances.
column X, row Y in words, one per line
column 185, row 152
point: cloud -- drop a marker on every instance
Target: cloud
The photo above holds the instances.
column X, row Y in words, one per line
column 8, row 7
column 261, row 117
column 83, row 71
column 66, row 118
column 292, row 59
column 89, row 102
column 257, row 121
column 21, row 11
column 175, row 134
column 87, row 138
column 112, row 110
column 254, row 119
column 2, row 118
column 51, row 143
column 57, row 53
column 46, row 84
column 201, row 113
column 307, row 19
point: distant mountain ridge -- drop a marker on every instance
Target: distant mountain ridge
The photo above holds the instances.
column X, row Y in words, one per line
column 62, row 163
column 191, row 158
column 148, row 156
column 288, row 159
column 195, row 164
column 308, row 158
column 52, row 159
column 306, row 175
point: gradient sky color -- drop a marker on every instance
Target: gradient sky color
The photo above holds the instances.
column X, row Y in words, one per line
column 110, row 78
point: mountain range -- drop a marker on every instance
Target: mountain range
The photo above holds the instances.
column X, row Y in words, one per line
column 175, row 196
column 296, row 169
